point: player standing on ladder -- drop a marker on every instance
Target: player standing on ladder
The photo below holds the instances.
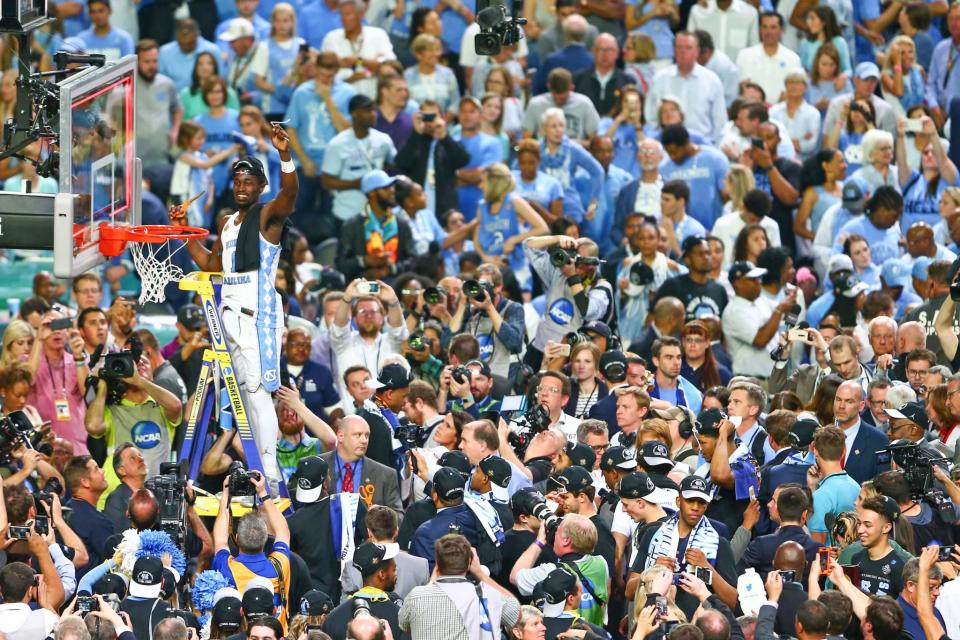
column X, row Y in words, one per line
column 247, row 250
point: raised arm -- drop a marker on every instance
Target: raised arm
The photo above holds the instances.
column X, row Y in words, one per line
column 275, row 519
column 943, row 325
column 279, row 209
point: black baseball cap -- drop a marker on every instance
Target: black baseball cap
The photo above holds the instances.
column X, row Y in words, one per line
column 484, row 367
column 693, row 487
column 499, row 472
column 226, row 613
column 618, row 458
column 448, row 483
column 635, row 486
column 257, row 602
column 574, row 478
column 891, row 510
column 393, row 376
column 311, row 474
column 581, row 455
column 250, row 165
column 654, row 455
column 912, row 411
column 146, row 578
column 458, row 460
column 370, row 556
column 558, row 585
column 745, row 269
column 191, row 317
column 801, row 433
column 315, row 603
column 111, row 583
column 709, row 421
column 599, row 327
column 611, row 359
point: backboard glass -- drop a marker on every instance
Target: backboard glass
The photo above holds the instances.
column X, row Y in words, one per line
column 98, row 162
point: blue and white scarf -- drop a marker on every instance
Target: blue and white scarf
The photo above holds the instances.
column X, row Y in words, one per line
column 344, row 508
column 487, row 517
column 666, row 541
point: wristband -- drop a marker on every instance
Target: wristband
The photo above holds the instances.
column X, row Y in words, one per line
column 287, row 166
column 540, row 544
column 897, row 67
column 574, row 279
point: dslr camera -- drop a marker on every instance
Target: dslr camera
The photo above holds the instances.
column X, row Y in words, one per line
column 17, row 430
column 116, row 366
column 170, row 492
column 461, row 374
column 419, row 342
column 534, row 420
column 476, row 289
column 240, row 480
column 559, row 257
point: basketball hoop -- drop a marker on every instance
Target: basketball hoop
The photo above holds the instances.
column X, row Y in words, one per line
column 152, row 253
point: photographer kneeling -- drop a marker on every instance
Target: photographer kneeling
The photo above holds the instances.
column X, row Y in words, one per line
column 575, row 292
column 129, row 407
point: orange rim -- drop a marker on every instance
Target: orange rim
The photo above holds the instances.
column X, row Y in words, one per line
column 162, row 232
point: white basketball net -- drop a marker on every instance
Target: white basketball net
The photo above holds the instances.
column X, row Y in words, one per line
column 155, row 270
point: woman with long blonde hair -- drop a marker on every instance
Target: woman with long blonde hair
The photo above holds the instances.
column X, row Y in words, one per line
column 18, row 339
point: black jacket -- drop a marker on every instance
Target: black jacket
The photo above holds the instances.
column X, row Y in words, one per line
column 449, row 156
column 352, row 248
column 604, row 99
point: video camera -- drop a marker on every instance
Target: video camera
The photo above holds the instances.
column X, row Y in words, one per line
column 17, row 430
column 170, row 491
column 917, row 468
column 116, row 367
column 496, row 27
column 410, row 435
column 534, row 420
column 240, row 478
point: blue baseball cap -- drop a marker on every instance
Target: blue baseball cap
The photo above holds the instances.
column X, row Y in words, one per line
column 921, row 266
column 856, row 192
column 895, row 273
column 374, row 180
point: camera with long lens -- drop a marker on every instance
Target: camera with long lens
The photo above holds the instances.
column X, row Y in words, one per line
column 461, row 374
column 116, row 367
column 418, row 342
column 434, row 295
column 478, row 289
column 541, row 510
column 240, row 480
column 45, row 495
column 497, row 28
column 560, row 257
column 16, row 430
column 170, row 491
column 916, row 465
column 574, row 338
column 534, row 420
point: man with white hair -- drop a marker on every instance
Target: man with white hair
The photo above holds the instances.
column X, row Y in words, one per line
column 882, row 333
column 642, row 194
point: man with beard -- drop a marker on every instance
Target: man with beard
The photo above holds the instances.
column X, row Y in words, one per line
column 158, row 111
column 375, row 244
column 247, row 251
column 699, row 294
column 371, row 343
column 668, row 384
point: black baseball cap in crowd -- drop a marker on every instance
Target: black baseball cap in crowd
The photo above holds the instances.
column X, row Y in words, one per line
column 745, row 269
column 168, row 582
column 655, row 456
column 257, row 601
column 311, row 474
column 458, row 460
column 315, row 603
column 912, row 411
column 613, row 366
column 484, row 367
column 448, row 483
column 635, row 486
column 111, row 583
column 574, row 478
column 802, row 431
column 250, row 165
column 581, row 455
column 891, row 510
column 499, row 472
column 598, row 327
column 146, row 577
column 393, row 376
column 370, row 556
column 556, row 587
column 618, row 458
column 191, row 317
column 709, row 422
column 690, row 243
column 226, row 614
column 693, row 487
column 359, row 101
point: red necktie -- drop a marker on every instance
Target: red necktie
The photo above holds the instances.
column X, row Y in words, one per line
column 347, row 484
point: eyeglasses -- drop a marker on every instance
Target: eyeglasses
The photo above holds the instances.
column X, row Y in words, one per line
column 299, row 344
column 917, row 373
column 548, row 389
column 369, row 312
column 600, row 448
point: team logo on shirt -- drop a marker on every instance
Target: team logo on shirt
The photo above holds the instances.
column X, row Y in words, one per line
column 561, row 311
column 486, row 345
column 146, row 434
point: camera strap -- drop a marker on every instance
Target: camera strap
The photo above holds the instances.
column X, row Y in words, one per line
column 583, row 580
column 485, row 623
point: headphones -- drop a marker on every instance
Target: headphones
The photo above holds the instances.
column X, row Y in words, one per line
column 687, row 426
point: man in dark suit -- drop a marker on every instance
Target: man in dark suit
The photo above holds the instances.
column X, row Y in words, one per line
column 351, row 471
column 862, row 462
column 311, row 529
column 794, row 507
column 413, row 159
column 804, row 381
column 375, row 244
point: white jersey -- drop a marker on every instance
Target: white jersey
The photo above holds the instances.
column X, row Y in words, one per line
column 254, row 291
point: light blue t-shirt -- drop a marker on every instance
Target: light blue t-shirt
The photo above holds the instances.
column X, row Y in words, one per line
column 598, row 227
column 658, row 29
column 350, row 158
column 281, row 57
column 884, row 243
column 316, row 20
column 453, row 24
column 113, row 46
column 308, row 114
column 704, row 173
column 835, row 494
column 918, row 206
column 219, row 136
column 74, row 24
column 484, row 150
column 543, row 190
column 178, row 66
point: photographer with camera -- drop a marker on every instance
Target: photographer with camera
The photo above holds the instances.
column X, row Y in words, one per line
column 378, row 568
column 929, row 524
column 59, row 367
column 20, row 586
column 44, row 509
column 575, row 292
column 146, row 512
column 496, row 321
column 251, row 538
column 138, row 411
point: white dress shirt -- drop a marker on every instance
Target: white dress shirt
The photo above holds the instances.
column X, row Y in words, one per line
column 373, row 44
column 767, row 71
column 732, row 30
column 700, row 94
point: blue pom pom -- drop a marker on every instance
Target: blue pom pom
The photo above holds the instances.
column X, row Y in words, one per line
column 205, row 587
column 157, row 543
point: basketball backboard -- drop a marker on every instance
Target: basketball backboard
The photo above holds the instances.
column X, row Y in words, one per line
column 98, row 163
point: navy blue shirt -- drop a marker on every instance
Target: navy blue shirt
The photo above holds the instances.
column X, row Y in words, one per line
column 94, row 529
column 315, row 383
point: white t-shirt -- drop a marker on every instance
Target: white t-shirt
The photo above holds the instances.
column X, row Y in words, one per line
column 256, row 62
column 373, row 43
